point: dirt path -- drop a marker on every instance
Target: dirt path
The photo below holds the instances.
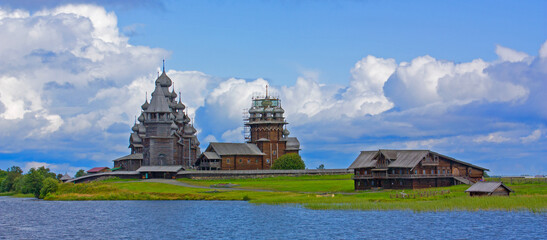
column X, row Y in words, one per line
column 183, row 184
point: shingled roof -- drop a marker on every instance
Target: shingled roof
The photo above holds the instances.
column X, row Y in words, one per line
column 487, row 187
column 235, row 149
column 158, row 103
column 136, row 156
column 399, row 158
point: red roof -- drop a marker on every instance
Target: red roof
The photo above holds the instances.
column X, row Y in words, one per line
column 97, row 169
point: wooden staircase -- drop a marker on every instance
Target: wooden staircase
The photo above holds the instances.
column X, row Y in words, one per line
column 464, row 180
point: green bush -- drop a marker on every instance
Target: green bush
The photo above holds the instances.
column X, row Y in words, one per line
column 49, row 185
column 289, row 161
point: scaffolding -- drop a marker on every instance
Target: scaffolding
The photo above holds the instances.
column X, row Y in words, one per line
column 246, row 127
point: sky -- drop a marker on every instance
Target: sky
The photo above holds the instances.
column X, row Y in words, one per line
column 463, row 78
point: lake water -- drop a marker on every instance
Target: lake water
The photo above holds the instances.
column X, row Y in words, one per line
column 36, row 219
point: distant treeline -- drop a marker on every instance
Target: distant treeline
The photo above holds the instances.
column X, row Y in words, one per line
column 37, row 181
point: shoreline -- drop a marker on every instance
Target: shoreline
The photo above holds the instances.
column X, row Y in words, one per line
column 317, row 193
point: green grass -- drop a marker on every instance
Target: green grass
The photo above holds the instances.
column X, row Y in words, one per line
column 306, row 191
column 313, row 183
column 17, row 195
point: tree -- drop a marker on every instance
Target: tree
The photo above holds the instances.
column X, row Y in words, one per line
column 59, row 176
column 12, row 174
column 49, row 185
column 80, row 173
column 32, row 182
column 321, row 166
column 289, row 161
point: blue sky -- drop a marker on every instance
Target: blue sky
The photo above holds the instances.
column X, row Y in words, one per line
column 466, row 78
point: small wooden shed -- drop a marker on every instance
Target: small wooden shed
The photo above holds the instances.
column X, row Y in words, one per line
column 489, row 189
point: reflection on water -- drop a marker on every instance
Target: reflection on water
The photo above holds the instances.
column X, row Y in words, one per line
column 36, row 219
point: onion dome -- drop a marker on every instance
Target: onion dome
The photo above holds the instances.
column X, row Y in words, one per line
column 141, row 117
column 173, row 94
column 180, row 105
column 164, row 80
column 174, row 126
column 145, row 105
column 135, row 128
column 286, row 132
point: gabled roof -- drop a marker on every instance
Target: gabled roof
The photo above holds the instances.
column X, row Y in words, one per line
column 389, row 154
column 399, row 158
column 211, row 155
column 407, row 158
column 292, row 143
column 364, row 160
column 136, row 156
column 97, row 169
column 487, row 187
column 462, row 162
column 235, row 149
column 65, row 177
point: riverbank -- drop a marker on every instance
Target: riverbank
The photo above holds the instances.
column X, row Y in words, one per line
column 313, row 192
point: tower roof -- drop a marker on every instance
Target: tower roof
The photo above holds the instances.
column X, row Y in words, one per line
column 158, row 103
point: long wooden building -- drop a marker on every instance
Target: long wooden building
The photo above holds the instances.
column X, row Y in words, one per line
column 411, row 169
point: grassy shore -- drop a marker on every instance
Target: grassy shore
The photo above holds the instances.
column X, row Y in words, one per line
column 17, row 195
column 311, row 192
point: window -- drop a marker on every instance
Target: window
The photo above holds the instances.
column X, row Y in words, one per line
column 400, row 171
column 227, row 160
column 275, row 152
column 372, row 182
column 416, row 171
column 392, row 171
column 268, row 160
column 366, row 172
column 423, row 171
column 356, row 172
column 256, row 160
column 444, row 171
column 239, row 160
column 248, row 160
column 359, row 183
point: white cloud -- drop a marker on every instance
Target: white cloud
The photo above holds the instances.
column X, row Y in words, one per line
column 426, row 80
column 534, row 136
column 230, row 97
column 59, row 67
column 491, row 138
column 510, row 55
column 233, row 135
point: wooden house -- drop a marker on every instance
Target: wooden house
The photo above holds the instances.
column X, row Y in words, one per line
column 411, row 169
column 231, row 156
column 489, row 189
